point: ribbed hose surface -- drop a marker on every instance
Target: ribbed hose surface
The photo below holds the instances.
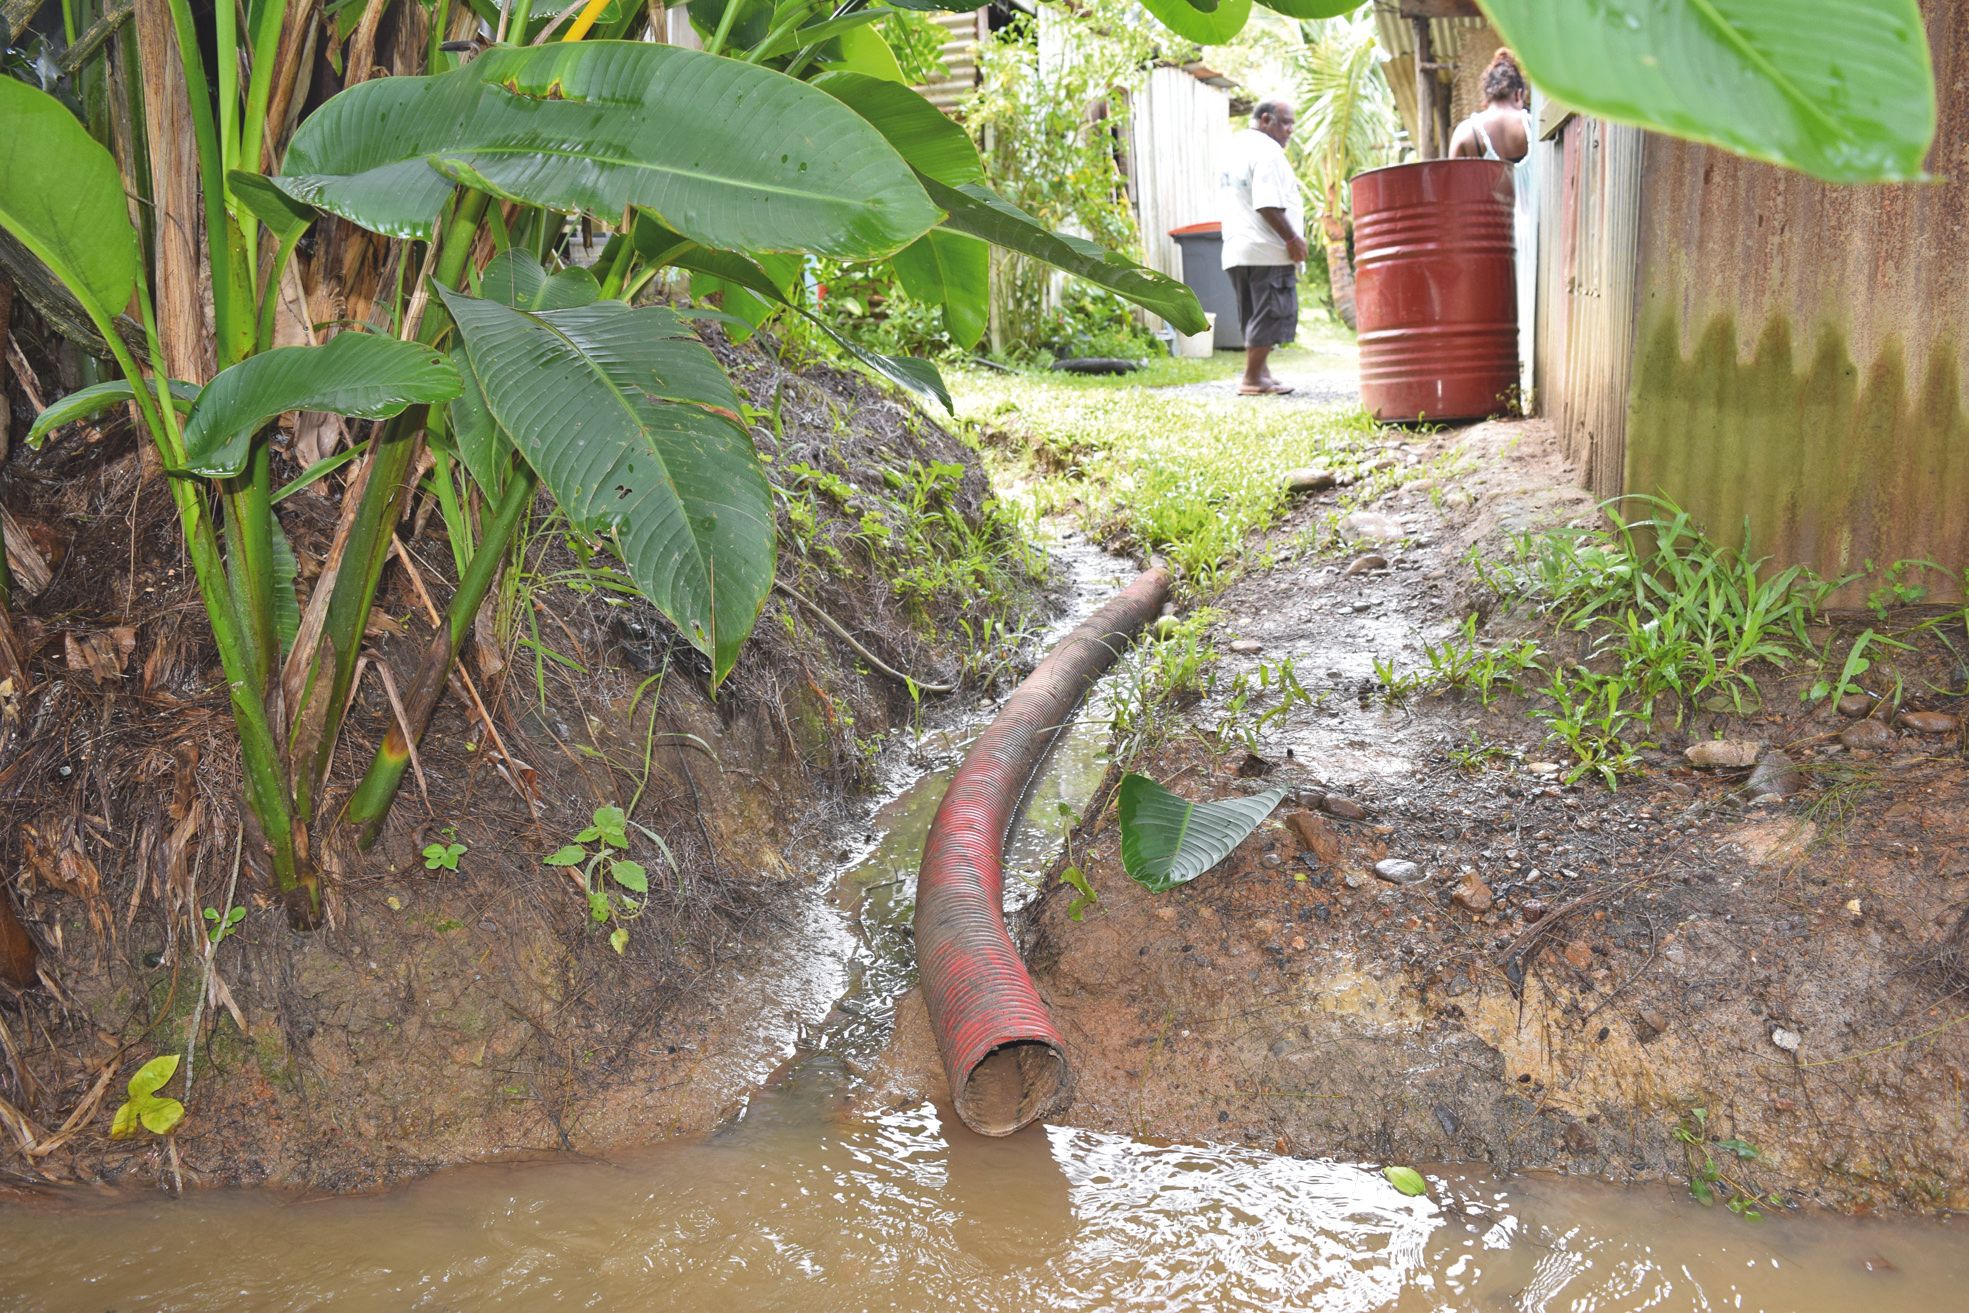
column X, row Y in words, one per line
column 1005, row 1060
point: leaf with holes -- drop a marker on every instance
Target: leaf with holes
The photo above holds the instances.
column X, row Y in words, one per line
column 1842, row 91
column 633, row 427
column 1167, row 840
column 358, row 374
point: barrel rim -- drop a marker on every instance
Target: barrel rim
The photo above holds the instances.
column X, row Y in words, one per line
column 1424, row 164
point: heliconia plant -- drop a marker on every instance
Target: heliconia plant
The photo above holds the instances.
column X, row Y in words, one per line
column 514, row 376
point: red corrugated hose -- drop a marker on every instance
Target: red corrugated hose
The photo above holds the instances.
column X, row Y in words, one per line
column 1005, row 1060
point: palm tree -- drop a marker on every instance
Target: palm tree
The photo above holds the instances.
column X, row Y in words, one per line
column 1348, row 124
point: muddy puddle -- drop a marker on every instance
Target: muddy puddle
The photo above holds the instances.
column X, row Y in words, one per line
column 803, row 1202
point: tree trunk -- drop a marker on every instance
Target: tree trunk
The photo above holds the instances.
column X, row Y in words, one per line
column 1340, row 270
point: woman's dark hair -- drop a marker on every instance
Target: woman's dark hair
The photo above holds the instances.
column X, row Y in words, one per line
column 1503, row 79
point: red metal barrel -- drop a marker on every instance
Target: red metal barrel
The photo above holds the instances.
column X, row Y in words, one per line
column 1434, row 290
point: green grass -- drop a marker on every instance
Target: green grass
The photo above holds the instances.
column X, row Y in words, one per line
column 1194, row 477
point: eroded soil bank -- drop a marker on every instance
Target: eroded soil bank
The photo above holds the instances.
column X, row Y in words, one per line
column 450, row 1016
column 1643, row 984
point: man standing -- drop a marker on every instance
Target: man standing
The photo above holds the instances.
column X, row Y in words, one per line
column 1263, row 242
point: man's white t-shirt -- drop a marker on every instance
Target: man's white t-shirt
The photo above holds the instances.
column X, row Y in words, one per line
column 1258, row 177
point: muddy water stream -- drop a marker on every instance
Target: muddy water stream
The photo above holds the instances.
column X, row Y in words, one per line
column 804, row 1203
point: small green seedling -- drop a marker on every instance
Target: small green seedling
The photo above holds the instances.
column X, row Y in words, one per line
column 605, row 868
column 217, row 927
column 443, row 856
column 144, row 1108
column 1084, row 896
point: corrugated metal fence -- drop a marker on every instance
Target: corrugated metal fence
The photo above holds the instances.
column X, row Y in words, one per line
column 1589, row 214
column 1181, row 136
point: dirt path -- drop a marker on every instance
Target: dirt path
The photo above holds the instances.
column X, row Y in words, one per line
column 1547, row 977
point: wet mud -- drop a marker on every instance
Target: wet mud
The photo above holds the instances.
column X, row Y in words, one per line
column 1540, row 976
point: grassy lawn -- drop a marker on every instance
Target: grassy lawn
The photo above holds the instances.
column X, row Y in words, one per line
column 1164, row 462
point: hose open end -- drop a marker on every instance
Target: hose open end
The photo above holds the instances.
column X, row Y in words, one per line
column 1013, row 1086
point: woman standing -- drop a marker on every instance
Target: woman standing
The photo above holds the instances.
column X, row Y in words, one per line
column 1502, row 130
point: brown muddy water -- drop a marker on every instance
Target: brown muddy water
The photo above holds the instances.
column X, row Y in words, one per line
column 803, row 1202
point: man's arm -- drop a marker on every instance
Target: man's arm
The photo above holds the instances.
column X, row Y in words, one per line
column 1295, row 245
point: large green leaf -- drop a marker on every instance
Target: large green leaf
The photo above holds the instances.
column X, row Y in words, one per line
column 96, row 398
column 719, row 270
column 1167, row 840
column 920, row 132
column 978, row 212
column 632, row 425
column 62, row 197
column 1312, row 9
column 516, row 279
column 954, row 271
column 727, row 153
column 1840, row 90
column 1206, row 27
column 358, row 374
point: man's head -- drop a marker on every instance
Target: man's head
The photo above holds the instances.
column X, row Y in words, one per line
column 1274, row 118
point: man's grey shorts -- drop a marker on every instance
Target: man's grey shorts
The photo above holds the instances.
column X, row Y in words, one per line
column 1267, row 302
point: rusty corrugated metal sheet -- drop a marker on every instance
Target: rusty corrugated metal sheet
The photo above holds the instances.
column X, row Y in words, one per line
column 1467, row 42
column 960, row 57
column 1801, row 347
column 1589, row 215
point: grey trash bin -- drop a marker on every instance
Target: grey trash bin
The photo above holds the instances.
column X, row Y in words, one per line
column 1202, row 245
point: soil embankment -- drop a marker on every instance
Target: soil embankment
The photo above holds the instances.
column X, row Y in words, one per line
column 446, row 1016
column 1438, row 951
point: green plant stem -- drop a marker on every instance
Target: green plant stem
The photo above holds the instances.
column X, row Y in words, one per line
column 264, row 769
column 322, row 702
column 370, row 803
column 231, row 335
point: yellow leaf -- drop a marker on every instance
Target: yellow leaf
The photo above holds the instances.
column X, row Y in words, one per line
column 124, row 1124
column 160, row 1115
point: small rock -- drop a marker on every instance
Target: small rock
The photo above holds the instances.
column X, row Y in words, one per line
column 1579, row 955
column 1447, row 1119
column 1473, row 895
column 1318, row 836
column 1788, row 1040
column 1345, row 808
column 1865, row 736
column 1533, row 911
column 1715, row 753
column 1367, row 564
column 1309, row 480
column 1853, row 906
column 1396, row 871
column 1298, row 943
column 1351, row 880
column 1648, row 1024
column 1856, row 705
column 1247, row 647
column 1928, row 722
column 1776, row 776
column 1546, row 769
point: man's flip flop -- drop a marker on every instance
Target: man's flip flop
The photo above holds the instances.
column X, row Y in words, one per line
column 1277, row 390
